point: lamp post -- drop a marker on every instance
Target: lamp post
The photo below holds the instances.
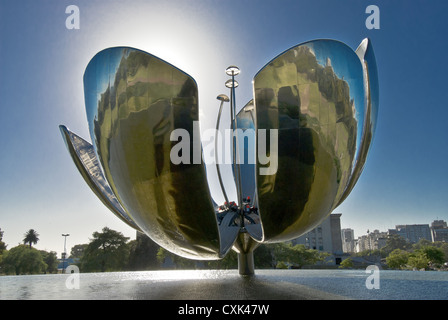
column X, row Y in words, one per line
column 232, row 84
column 223, row 98
column 65, row 251
column 244, row 244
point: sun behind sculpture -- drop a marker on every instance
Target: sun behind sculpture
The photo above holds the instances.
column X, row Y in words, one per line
column 304, row 138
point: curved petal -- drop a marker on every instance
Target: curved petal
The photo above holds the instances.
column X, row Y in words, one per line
column 371, row 92
column 85, row 160
column 247, row 149
column 142, row 112
column 312, row 96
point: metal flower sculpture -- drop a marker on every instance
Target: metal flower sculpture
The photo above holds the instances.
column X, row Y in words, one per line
column 314, row 108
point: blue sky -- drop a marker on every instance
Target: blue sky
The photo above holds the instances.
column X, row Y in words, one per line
column 42, row 64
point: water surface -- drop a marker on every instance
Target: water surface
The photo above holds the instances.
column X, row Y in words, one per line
column 227, row 284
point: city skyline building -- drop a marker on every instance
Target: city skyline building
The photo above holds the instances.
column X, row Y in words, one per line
column 413, row 232
column 348, row 240
column 439, row 231
column 326, row 237
column 372, row 241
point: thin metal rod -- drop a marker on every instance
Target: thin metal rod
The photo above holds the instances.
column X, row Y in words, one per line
column 65, row 251
column 216, row 154
column 235, row 145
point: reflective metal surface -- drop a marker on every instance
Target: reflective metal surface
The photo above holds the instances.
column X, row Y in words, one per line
column 134, row 101
column 370, row 75
column 314, row 94
column 86, row 161
column 321, row 100
column 247, row 149
column 223, row 98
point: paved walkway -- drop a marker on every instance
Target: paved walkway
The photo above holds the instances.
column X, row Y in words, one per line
column 231, row 288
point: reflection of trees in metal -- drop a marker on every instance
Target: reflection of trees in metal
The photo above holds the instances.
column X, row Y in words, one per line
column 315, row 112
column 318, row 95
column 147, row 99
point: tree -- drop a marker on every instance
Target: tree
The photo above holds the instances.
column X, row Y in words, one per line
column 397, row 259
column 51, row 260
column 297, row 255
column 107, row 251
column 230, row 261
column 395, row 241
column 281, row 265
column 418, row 260
column 2, row 244
column 77, row 251
column 23, row 260
column 346, row 263
column 143, row 253
column 434, row 251
column 31, row 237
column 443, row 246
column 178, row 261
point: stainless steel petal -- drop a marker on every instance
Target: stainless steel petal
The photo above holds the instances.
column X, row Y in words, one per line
column 247, row 145
column 86, row 161
column 246, row 125
column 313, row 95
column 371, row 92
column 134, row 101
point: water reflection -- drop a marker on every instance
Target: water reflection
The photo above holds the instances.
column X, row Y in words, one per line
column 228, row 284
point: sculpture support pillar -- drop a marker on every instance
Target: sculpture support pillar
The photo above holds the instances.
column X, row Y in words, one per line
column 245, row 246
column 246, row 266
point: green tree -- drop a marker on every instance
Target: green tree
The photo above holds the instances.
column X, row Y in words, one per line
column 418, row 260
column 77, row 251
column 263, row 257
column 2, row 244
column 281, row 265
column 107, row 251
column 442, row 250
column 393, row 242
column 422, row 243
column 51, row 260
column 434, row 255
column 2, row 250
column 434, row 251
column 443, row 246
column 23, row 260
column 346, row 263
column 179, row 262
column 397, row 259
column 230, row 261
column 143, row 253
column 297, row 255
column 31, row 237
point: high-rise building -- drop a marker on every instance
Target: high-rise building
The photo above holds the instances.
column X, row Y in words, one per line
column 439, row 231
column 414, row 232
column 348, row 240
column 326, row 237
column 372, row 241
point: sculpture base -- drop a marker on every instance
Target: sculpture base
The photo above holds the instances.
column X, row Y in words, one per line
column 246, row 266
column 245, row 246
